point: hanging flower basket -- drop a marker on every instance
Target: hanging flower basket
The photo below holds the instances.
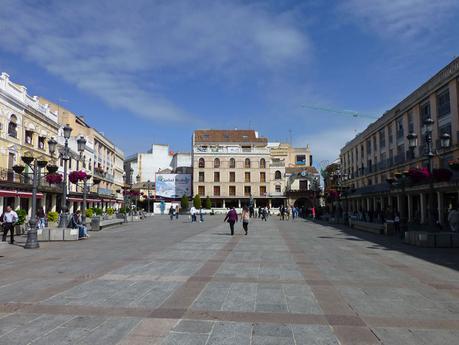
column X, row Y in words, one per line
column 418, row 175
column 454, row 164
column 442, row 175
column 77, row 176
column 54, row 178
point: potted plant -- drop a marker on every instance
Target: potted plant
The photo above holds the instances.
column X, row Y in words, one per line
column 54, row 178
column 110, row 212
column 454, row 164
column 77, row 176
column 418, row 175
column 442, row 175
column 19, row 227
column 89, row 213
column 52, row 217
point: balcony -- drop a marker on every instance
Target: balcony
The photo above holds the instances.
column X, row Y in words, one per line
column 105, row 191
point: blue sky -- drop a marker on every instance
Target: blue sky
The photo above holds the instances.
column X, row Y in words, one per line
column 145, row 71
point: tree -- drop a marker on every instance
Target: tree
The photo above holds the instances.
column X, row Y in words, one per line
column 197, row 201
column 207, row 203
column 184, row 203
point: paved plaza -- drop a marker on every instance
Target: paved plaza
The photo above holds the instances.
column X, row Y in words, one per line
column 162, row 282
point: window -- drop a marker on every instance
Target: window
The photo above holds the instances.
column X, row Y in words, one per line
column 368, row 146
column 300, row 159
column 262, row 163
column 375, row 147
column 247, row 176
column 232, row 163
column 382, row 139
column 246, row 149
column 443, row 103
column 361, row 151
column 277, row 188
column 41, row 143
column 28, row 137
column 201, row 190
column 277, row 175
column 201, row 163
column 216, row 176
column 216, row 190
column 262, row 190
column 410, row 122
column 232, row 190
column 216, row 163
column 247, row 191
column 247, row 163
column 12, row 126
column 232, row 176
column 425, row 112
column 262, row 177
column 391, row 137
column 201, row 176
column 399, row 127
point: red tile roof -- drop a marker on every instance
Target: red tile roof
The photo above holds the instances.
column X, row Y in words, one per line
column 227, row 136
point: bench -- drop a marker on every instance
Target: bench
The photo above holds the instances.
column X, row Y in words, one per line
column 57, row 234
column 432, row 239
column 369, row 227
column 97, row 224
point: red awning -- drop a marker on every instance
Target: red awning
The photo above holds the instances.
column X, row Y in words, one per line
column 15, row 193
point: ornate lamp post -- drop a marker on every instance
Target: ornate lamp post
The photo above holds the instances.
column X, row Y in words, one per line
column 445, row 142
column 35, row 164
column 65, row 155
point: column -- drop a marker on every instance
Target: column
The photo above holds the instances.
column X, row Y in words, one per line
column 2, row 201
column 53, row 203
column 422, row 198
column 440, row 207
column 224, row 203
column 381, row 200
column 270, row 203
column 255, row 203
column 368, row 204
column 17, row 203
column 410, row 208
column 239, row 203
column 29, row 207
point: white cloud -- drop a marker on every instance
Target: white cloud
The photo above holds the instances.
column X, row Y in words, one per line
column 326, row 144
column 116, row 49
column 401, row 19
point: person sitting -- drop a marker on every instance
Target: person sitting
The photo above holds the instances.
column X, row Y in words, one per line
column 77, row 223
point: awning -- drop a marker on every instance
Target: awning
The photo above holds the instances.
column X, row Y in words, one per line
column 16, row 193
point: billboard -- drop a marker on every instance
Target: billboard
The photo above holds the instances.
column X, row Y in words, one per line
column 173, row 185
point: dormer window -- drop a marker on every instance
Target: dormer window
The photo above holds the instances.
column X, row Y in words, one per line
column 41, row 143
column 28, row 137
column 12, row 126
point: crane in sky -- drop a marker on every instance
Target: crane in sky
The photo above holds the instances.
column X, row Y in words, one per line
column 341, row 111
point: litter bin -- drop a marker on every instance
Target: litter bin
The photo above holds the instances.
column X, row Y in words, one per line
column 95, row 223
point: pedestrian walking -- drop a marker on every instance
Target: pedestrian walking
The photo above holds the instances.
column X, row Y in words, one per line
column 41, row 218
column 193, row 214
column 176, row 212
column 8, row 219
column 231, row 217
column 171, row 212
column 264, row 214
column 397, row 224
column 453, row 219
column 245, row 219
column 201, row 215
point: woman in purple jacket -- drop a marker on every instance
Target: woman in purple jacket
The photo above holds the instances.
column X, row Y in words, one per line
column 231, row 216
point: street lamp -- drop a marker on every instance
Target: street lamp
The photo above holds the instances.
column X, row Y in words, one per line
column 65, row 155
column 148, row 196
column 445, row 142
column 35, row 164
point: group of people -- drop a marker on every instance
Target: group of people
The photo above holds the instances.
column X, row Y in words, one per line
column 286, row 211
column 174, row 212
column 232, row 218
column 194, row 212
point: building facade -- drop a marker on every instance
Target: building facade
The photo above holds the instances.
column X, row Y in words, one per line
column 26, row 125
column 376, row 163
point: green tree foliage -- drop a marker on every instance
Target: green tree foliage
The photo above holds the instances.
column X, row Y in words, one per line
column 197, row 201
column 207, row 203
column 184, row 203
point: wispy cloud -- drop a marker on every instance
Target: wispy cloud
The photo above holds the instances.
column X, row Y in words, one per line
column 401, row 19
column 114, row 49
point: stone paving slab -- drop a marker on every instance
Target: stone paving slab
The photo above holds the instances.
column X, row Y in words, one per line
column 160, row 282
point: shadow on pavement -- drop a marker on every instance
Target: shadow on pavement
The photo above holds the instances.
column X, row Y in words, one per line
column 448, row 257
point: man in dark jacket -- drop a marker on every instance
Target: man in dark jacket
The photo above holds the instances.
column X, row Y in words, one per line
column 231, row 216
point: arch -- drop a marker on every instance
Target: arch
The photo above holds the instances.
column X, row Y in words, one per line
column 216, row 163
column 202, row 163
column 232, row 163
column 303, row 202
column 277, row 175
column 262, row 163
column 247, row 163
column 12, row 126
